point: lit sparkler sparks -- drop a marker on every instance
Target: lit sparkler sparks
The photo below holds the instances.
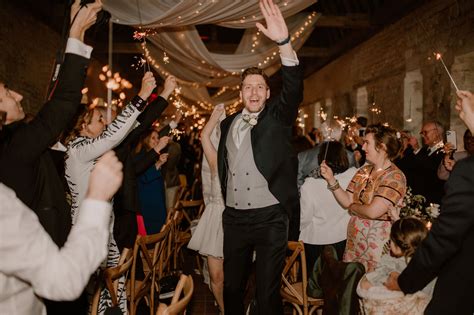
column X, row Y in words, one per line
column 440, row 58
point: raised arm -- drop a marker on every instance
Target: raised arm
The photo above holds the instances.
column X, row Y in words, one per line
column 59, row 274
column 91, row 149
column 343, row 197
column 210, row 151
column 32, row 140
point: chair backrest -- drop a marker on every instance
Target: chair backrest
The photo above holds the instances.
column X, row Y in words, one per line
column 153, row 251
column 110, row 277
column 192, row 209
column 178, row 304
column 291, row 274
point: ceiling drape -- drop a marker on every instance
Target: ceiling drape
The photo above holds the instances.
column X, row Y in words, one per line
column 189, row 59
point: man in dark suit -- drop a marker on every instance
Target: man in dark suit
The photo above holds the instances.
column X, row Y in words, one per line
column 26, row 163
column 421, row 166
column 257, row 171
column 447, row 252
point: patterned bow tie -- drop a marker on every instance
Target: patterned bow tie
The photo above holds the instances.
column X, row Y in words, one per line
column 250, row 119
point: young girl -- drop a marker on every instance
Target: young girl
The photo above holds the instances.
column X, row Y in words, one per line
column 405, row 236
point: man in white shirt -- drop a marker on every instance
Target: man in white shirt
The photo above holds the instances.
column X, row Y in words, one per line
column 32, row 266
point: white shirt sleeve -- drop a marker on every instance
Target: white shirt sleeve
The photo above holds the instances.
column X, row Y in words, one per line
column 290, row 62
column 75, row 46
column 28, row 253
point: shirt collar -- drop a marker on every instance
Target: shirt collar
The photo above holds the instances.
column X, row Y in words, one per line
column 435, row 147
column 245, row 111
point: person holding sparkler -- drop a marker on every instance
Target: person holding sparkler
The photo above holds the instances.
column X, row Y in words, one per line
column 372, row 191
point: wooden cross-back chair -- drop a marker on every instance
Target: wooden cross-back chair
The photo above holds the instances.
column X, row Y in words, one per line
column 154, row 250
column 178, row 304
column 294, row 288
column 110, row 277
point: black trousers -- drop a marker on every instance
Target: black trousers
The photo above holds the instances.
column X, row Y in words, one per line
column 264, row 230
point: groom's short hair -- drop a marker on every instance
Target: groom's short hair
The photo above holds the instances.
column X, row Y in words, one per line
column 253, row 70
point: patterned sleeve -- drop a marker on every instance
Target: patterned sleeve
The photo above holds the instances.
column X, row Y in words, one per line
column 392, row 187
column 358, row 178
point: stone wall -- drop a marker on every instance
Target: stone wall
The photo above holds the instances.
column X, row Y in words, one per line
column 395, row 70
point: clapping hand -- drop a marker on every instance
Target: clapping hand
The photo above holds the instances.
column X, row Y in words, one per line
column 148, row 85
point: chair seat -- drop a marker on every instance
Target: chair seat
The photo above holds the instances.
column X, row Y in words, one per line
column 298, row 286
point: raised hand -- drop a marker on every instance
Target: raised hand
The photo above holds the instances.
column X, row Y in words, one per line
column 106, row 177
column 465, row 106
column 162, row 143
column 169, row 86
column 177, row 116
column 217, row 112
column 83, row 17
column 448, row 162
column 148, row 85
column 276, row 29
column 326, row 173
column 161, row 160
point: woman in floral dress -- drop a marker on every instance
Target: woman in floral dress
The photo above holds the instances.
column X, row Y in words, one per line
column 374, row 189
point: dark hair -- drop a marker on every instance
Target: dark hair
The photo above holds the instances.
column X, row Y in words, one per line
column 336, row 157
column 408, row 233
column 143, row 142
column 387, row 136
column 361, row 120
column 253, row 70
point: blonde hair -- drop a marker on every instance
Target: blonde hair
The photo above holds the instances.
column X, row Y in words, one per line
column 84, row 118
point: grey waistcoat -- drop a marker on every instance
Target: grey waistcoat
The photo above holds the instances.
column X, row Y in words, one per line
column 246, row 186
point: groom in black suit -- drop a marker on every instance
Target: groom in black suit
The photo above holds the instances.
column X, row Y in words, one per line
column 448, row 250
column 257, row 171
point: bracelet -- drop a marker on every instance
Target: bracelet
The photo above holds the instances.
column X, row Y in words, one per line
column 285, row 41
column 334, row 186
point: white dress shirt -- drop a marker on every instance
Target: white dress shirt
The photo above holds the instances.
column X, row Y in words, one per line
column 32, row 266
column 323, row 221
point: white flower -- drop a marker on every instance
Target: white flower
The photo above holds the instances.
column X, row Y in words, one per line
column 253, row 121
column 433, row 209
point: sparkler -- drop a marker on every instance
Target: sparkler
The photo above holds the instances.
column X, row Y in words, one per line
column 440, row 58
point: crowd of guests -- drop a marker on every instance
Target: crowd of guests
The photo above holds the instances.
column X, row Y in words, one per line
column 345, row 189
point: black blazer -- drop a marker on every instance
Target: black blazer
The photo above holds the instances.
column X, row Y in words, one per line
column 271, row 143
column 26, row 163
column 448, row 251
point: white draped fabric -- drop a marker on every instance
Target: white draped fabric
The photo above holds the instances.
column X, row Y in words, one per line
column 189, row 59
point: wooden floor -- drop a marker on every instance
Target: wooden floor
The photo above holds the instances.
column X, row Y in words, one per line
column 202, row 302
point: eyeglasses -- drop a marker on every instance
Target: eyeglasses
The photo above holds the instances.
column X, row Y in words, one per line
column 425, row 132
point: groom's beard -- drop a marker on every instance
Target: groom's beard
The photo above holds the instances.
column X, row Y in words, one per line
column 259, row 109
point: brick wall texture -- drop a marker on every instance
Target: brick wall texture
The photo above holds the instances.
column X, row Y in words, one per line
column 380, row 63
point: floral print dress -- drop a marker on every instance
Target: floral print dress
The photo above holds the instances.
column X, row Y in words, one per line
column 366, row 238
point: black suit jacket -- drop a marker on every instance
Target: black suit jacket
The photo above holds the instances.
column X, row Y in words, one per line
column 448, row 251
column 26, row 164
column 271, row 144
column 126, row 199
column 421, row 171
